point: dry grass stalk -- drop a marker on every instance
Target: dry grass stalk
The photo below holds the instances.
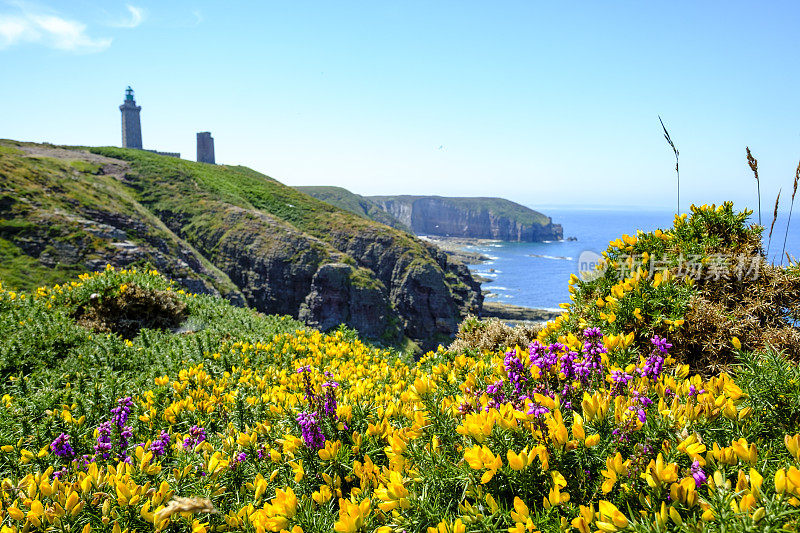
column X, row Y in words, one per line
column 791, row 206
column 677, row 170
column 774, row 218
column 186, row 505
column 753, row 162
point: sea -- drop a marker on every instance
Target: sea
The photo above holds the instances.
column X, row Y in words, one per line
column 536, row 274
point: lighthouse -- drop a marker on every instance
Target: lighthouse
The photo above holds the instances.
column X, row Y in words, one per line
column 131, row 125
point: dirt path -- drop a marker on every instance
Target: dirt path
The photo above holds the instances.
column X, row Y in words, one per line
column 109, row 166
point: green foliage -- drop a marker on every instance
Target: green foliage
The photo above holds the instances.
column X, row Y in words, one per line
column 772, row 385
column 354, row 203
column 49, row 359
column 85, row 167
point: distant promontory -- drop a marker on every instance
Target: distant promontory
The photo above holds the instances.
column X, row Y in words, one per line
column 477, row 218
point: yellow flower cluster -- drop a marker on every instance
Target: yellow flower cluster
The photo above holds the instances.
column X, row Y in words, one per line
column 375, row 470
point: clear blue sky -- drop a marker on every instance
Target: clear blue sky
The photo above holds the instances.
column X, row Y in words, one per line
column 545, row 103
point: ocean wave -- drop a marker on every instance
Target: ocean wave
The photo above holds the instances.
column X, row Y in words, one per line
column 502, row 289
column 486, row 274
column 552, row 309
column 556, row 257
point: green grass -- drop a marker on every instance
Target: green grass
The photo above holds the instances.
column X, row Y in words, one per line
column 47, row 199
column 354, row 203
column 57, row 361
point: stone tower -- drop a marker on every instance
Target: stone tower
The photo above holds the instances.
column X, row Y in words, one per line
column 205, row 147
column 131, row 126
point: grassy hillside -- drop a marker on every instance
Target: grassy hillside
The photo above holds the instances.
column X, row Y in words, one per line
column 229, row 420
column 354, row 203
column 222, row 230
column 56, row 206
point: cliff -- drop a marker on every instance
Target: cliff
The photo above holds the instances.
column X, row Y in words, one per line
column 355, row 203
column 482, row 218
column 222, row 230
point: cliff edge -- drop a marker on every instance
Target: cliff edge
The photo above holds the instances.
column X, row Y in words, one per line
column 479, row 218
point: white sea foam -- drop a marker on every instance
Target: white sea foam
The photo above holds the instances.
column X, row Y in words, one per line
column 555, row 257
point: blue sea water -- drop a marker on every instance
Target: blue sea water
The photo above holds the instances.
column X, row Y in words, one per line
column 536, row 274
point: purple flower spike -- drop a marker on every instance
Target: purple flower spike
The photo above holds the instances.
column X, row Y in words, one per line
column 119, row 414
column 61, row 447
column 102, row 449
column 661, row 344
column 312, row 433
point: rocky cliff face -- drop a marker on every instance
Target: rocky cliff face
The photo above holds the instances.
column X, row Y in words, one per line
column 481, row 218
column 227, row 231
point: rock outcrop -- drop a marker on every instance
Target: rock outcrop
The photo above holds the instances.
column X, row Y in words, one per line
column 343, row 294
column 480, row 218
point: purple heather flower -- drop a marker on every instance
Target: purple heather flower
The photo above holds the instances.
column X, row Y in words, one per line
column 312, row 433
column 160, row 446
column 567, row 365
column 196, row 436
column 329, row 405
column 125, row 435
column 661, row 344
column 693, row 391
column 537, row 410
column 699, row 476
column 514, row 367
column 652, row 367
column 642, row 416
column 238, row 459
column 103, row 447
column 620, row 377
column 61, row 447
column 119, row 414
column 591, row 333
column 497, row 396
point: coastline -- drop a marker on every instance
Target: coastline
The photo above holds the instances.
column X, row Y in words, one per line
column 513, row 315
